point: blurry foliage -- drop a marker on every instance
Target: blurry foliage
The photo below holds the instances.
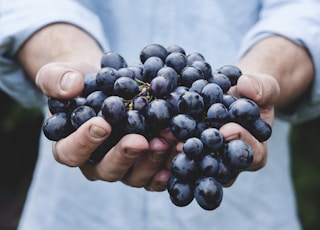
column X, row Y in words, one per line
column 19, row 134
column 21, row 127
column 305, row 148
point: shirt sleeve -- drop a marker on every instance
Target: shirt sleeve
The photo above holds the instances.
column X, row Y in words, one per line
column 19, row 20
column 298, row 21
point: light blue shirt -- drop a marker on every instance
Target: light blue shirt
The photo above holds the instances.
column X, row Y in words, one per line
column 61, row 198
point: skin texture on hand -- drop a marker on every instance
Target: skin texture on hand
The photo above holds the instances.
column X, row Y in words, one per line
column 59, row 72
column 290, row 64
column 265, row 91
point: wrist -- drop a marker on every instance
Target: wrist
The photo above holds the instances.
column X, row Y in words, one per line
column 288, row 63
column 58, row 42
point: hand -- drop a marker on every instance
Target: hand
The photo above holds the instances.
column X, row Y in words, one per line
column 265, row 91
column 133, row 160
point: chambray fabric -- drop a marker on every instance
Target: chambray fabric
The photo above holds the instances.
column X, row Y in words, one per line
column 61, row 198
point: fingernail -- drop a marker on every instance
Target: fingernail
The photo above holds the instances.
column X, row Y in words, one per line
column 135, row 152
column 161, row 185
column 68, row 80
column 157, row 156
column 97, row 132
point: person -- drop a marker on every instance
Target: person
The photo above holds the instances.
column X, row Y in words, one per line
column 57, row 43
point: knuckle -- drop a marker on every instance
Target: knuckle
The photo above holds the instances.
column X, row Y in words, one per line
column 45, row 79
column 259, row 161
column 66, row 159
column 109, row 177
column 104, row 173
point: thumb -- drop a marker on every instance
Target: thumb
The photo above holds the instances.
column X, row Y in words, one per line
column 62, row 79
column 261, row 88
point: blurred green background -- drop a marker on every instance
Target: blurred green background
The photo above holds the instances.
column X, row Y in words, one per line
column 20, row 129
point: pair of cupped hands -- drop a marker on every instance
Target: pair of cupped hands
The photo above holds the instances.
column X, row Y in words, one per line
column 134, row 160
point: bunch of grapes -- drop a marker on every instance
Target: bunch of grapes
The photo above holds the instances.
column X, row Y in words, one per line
column 168, row 89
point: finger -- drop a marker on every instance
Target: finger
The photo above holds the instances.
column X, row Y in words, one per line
column 149, row 164
column 144, row 169
column 174, row 151
column 232, row 131
column 76, row 149
column 159, row 181
column 119, row 160
column 261, row 88
column 62, row 80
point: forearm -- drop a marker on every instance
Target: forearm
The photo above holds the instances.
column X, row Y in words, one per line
column 58, row 42
column 289, row 63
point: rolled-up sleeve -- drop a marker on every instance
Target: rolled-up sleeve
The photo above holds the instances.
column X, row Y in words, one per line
column 298, row 21
column 19, row 20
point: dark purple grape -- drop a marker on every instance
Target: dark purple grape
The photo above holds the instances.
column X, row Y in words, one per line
column 151, row 67
column 208, row 193
column 126, row 72
column 194, row 56
column 217, row 115
column 90, row 84
column 79, row 101
column 140, row 104
column 221, row 80
column 204, row 66
column 138, row 72
column 181, row 89
column 172, row 99
column 57, row 126
column 135, row 123
column 183, row 167
column 80, row 115
column 183, row 126
column 191, row 103
column 126, row 87
column 106, row 78
column 177, row 61
column 181, row 193
column 228, row 100
column 212, row 139
column 211, row 93
column 243, row 111
column 200, row 127
column 190, row 74
column 174, row 48
column 193, row 147
column 198, row 85
column 158, row 115
column 260, row 129
column 225, row 173
column 160, row 86
column 60, row 105
column 113, row 109
column 238, row 154
column 113, row 60
column 169, row 73
column 232, row 72
column 153, row 50
column 208, row 165
column 95, row 99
